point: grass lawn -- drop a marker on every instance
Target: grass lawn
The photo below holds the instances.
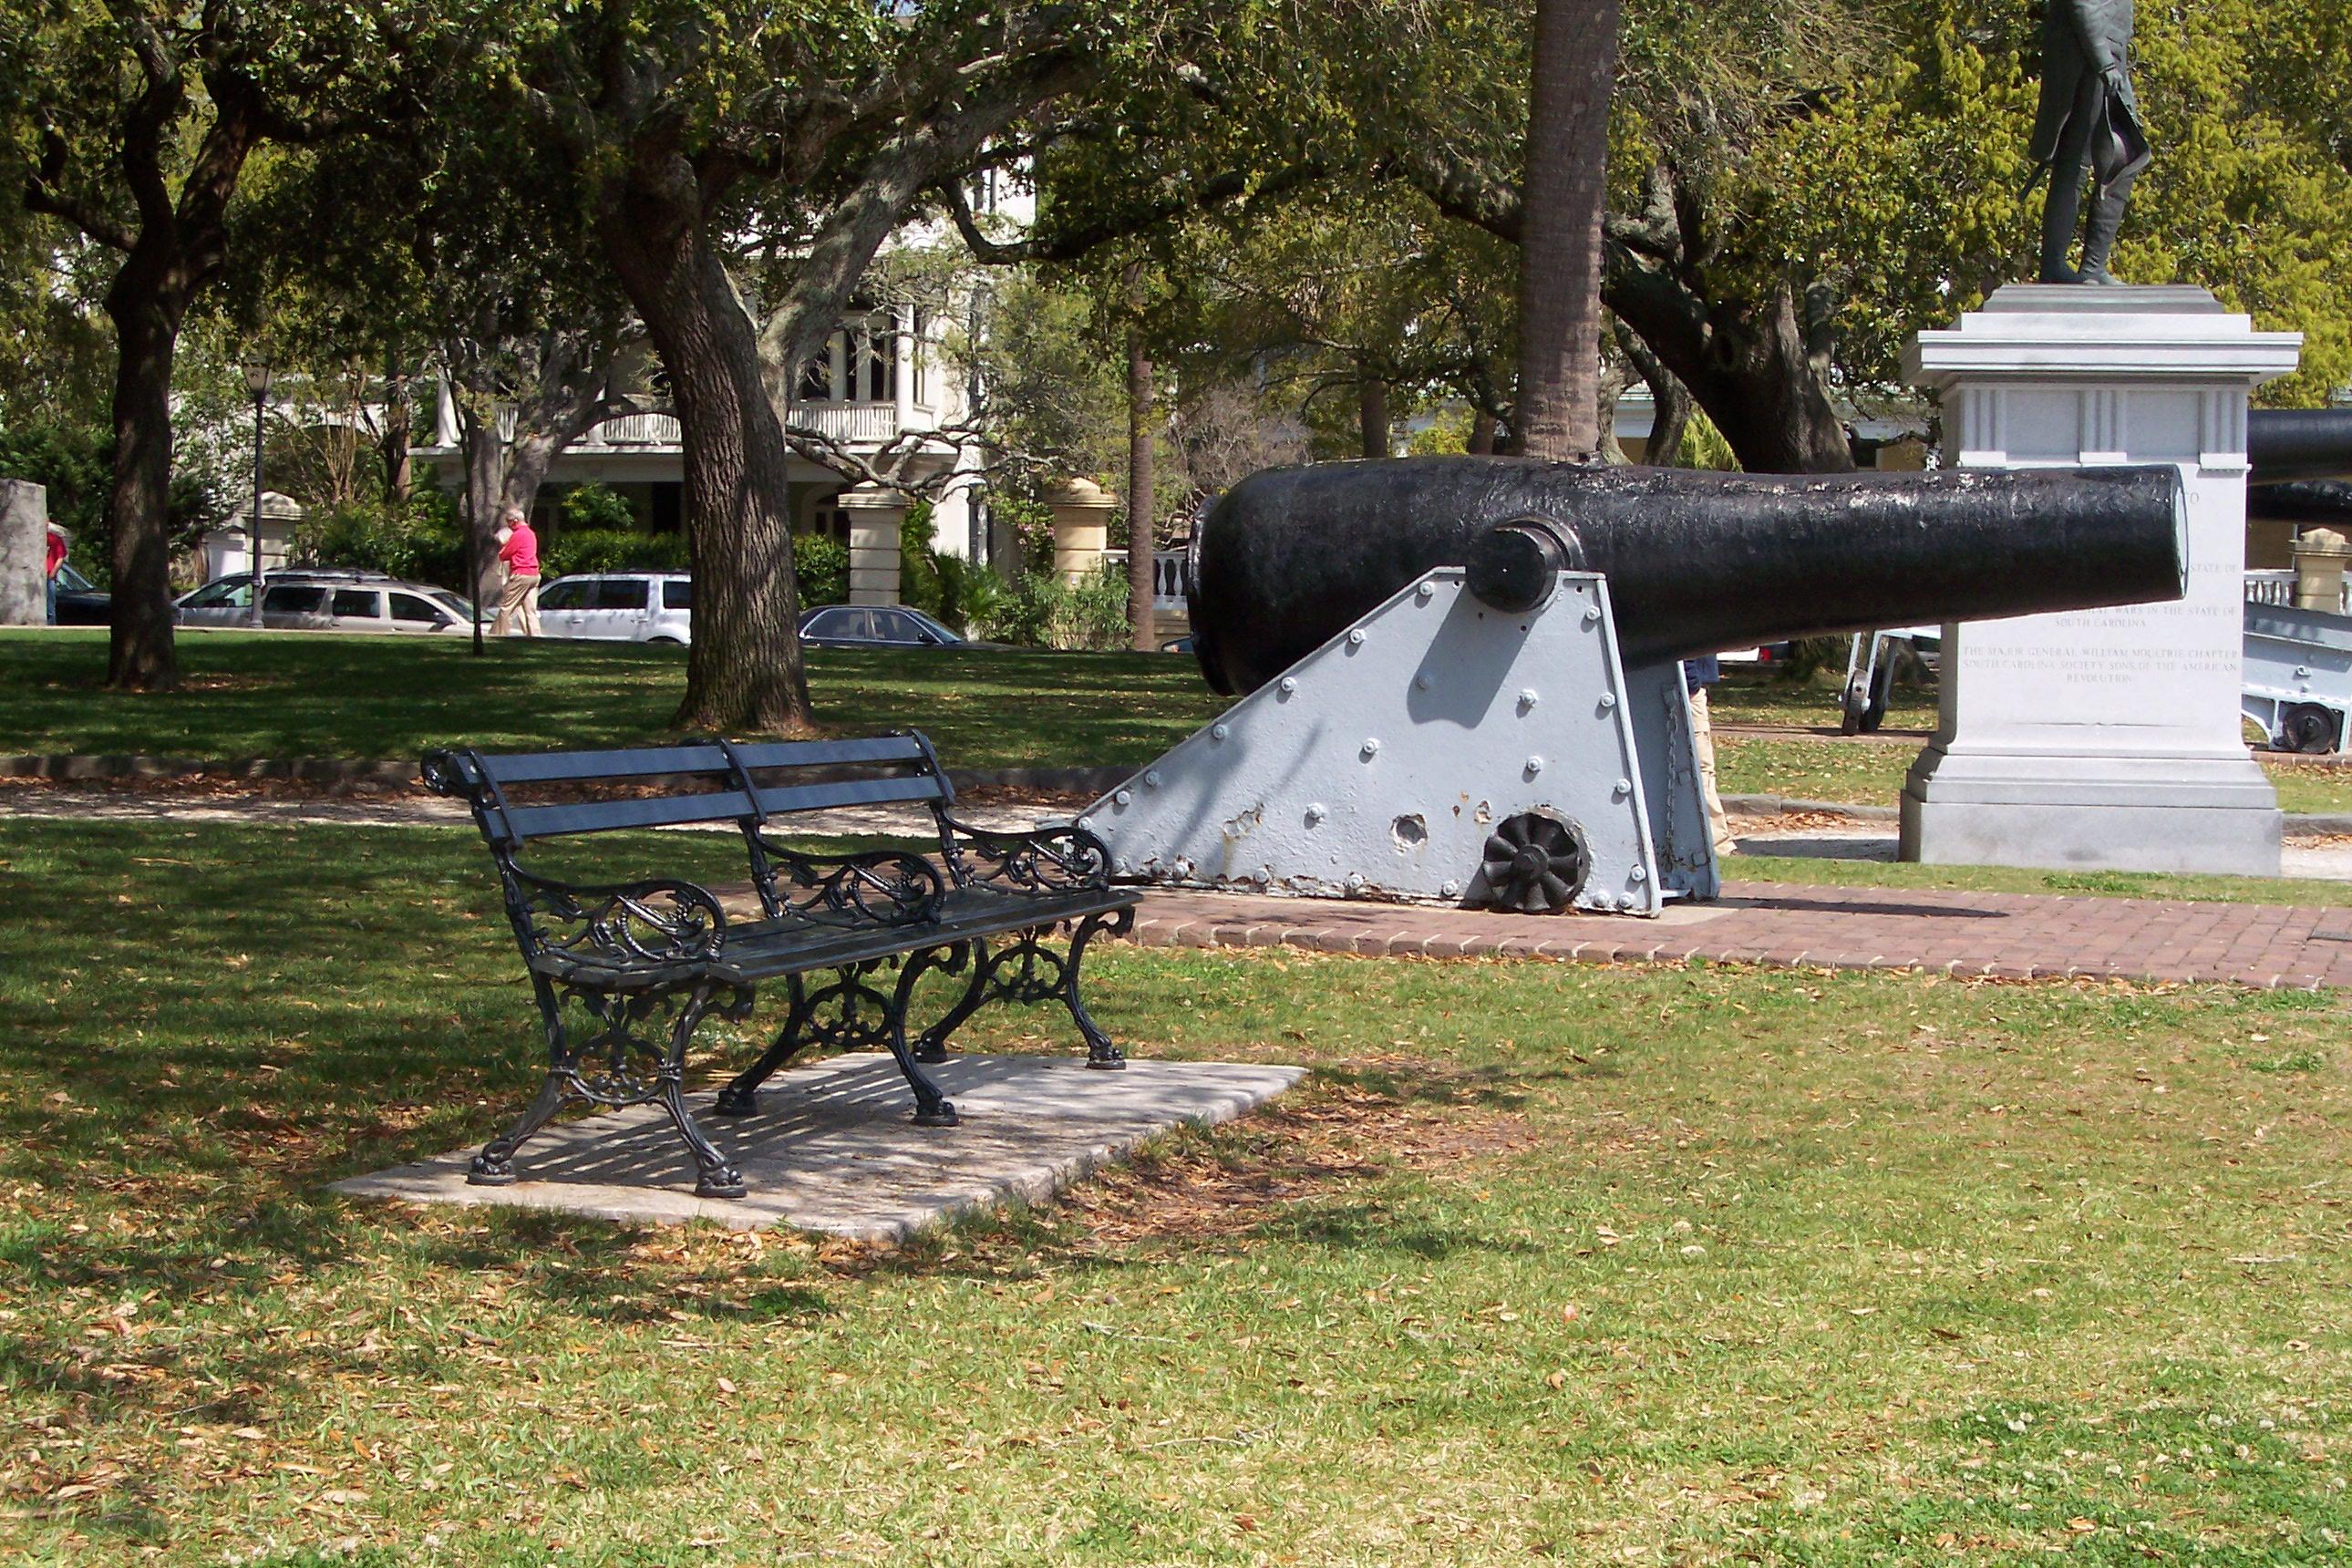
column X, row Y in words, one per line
column 286, row 695
column 1688, row 1264
column 280, row 695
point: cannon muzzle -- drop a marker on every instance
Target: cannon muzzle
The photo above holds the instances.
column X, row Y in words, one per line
column 1697, row 562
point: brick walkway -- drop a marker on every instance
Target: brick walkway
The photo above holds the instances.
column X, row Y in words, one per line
column 2005, row 935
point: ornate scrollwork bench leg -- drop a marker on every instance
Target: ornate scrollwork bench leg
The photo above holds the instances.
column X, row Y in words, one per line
column 851, row 1014
column 1030, row 971
column 617, row 1066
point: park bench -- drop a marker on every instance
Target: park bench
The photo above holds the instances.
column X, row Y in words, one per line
column 630, row 960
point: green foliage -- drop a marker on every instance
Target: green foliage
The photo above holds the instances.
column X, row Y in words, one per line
column 968, row 591
column 1908, row 192
column 918, row 562
column 614, row 550
column 592, row 507
column 421, row 542
column 1040, row 610
column 74, row 463
column 822, row 567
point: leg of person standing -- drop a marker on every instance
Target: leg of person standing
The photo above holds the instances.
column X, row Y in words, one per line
column 504, row 615
column 1718, row 825
column 529, row 609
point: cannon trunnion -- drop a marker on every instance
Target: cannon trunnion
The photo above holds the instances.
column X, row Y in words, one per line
column 1460, row 679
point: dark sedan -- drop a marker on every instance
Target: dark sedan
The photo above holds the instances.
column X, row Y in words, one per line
column 82, row 603
column 874, row 625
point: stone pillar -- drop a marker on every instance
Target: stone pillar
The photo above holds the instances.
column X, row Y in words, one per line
column 2102, row 738
column 2319, row 556
column 24, row 553
column 874, row 515
column 1081, row 510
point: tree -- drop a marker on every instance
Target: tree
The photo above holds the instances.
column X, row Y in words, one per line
column 810, row 133
column 1564, row 196
column 132, row 122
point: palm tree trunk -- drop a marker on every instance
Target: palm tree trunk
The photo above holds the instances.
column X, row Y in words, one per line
column 1565, row 197
column 1142, row 628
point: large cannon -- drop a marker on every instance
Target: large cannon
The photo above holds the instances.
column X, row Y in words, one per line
column 1460, row 677
column 2287, row 444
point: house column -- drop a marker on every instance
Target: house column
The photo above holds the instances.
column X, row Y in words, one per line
column 2102, row 738
column 875, row 514
column 1081, row 510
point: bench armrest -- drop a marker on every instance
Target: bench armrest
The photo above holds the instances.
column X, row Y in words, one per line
column 881, row 887
column 1055, row 859
column 628, row 925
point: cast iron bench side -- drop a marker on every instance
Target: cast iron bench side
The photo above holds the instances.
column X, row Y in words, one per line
column 660, row 951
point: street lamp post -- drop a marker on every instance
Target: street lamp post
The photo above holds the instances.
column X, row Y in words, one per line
column 258, row 373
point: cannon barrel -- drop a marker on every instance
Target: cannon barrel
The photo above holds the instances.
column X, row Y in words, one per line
column 2283, row 444
column 1696, row 562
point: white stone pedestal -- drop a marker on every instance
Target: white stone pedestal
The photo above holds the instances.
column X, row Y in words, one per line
column 2102, row 738
column 875, row 516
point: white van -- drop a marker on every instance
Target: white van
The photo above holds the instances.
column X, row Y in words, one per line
column 619, row 606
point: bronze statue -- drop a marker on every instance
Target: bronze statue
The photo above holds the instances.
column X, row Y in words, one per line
column 2088, row 123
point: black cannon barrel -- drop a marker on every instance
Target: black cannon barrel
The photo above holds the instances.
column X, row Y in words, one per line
column 2287, row 443
column 2316, row 501
column 1697, row 562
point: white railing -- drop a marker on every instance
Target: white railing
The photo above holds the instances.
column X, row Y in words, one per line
column 851, row 423
column 2275, row 585
column 634, row 430
column 1167, row 577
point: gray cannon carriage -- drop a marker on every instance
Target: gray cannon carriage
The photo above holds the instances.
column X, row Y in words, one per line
column 1460, row 679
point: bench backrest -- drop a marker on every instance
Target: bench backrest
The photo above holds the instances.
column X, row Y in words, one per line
column 725, row 783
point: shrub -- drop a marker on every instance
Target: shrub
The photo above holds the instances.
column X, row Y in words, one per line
column 595, row 508
column 421, row 541
column 1042, row 610
column 918, row 564
column 822, row 566
column 614, row 550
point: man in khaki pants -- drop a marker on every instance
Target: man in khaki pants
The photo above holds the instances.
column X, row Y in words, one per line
column 518, row 597
column 1698, row 674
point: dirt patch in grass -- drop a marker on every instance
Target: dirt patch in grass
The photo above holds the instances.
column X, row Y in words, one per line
column 1233, row 1180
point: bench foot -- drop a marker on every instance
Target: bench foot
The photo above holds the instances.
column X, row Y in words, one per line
column 941, row 1115
column 734, row 1101
column 484, row 1173
column 726, row 1181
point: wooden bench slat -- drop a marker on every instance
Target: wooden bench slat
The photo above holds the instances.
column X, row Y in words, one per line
column 605, row 816
column 850, row 792
column 826, row 753
column 562, row 767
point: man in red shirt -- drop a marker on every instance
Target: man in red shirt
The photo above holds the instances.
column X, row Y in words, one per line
column 57, row 558
column 519, row 599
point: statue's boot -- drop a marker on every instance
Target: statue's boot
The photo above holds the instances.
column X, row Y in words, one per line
column 2106, row 221
column 2060, row 208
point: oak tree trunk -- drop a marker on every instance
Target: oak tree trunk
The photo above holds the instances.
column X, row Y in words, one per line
column 1481, row 442
column 146, row 302
column 1565, row 197
column 744, row 674
column 1761, row 376
column 1143, row 633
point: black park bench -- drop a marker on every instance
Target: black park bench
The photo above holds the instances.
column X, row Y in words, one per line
column 614, row 965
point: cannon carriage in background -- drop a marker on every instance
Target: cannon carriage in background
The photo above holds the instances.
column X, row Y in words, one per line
column 1460, row 679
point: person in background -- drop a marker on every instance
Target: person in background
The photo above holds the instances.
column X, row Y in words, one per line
column 519, row 597
column 57, row 558
column 1698, row 674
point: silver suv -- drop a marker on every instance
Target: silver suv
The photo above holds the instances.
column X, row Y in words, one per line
column 619, row 606
column 302, row 600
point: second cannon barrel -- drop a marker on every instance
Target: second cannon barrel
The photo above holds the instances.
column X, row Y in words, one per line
column 1697, row 562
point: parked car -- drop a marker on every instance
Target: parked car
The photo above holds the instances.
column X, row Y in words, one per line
column 619, row 606
column 873, row 625
column 324, row 600
column 80, row 602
